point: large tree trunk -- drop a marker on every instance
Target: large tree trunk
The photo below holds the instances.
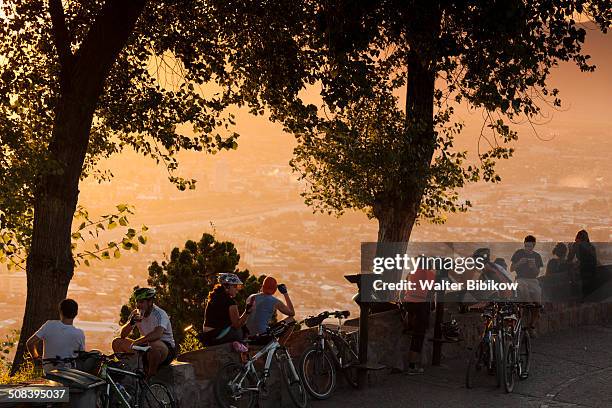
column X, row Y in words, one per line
column 396, row 212
column 50, row 265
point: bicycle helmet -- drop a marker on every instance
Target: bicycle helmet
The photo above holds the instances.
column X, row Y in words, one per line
column 144, row 293
column 451, row 330
column 482, row 253
column 229, row 279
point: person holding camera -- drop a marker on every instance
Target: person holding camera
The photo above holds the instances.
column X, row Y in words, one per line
column 264, row 305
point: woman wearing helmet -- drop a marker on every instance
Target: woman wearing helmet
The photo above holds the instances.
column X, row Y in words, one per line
column 222, row 322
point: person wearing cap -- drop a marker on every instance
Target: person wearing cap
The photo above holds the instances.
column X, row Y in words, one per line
column 222, row 321
column 155, row 330
column 264, row 305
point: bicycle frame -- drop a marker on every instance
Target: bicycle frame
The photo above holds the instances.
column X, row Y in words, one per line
column 335, row 337
column 249, row 367
column 112, row 385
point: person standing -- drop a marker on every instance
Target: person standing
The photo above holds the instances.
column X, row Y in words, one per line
column 527, row 264
column 417, row 304
column 585, row 253
column 59, row 337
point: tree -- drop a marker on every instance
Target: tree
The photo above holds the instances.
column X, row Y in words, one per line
column 82, row 80
column 362, row 150
column 183, row 281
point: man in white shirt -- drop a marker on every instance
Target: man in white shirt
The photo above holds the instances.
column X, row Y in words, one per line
column 155, row 330
column 59, row 337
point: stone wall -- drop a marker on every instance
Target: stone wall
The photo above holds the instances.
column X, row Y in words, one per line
column 192, row 376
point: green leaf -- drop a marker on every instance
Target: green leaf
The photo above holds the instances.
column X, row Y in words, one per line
column 117, row 254
column 105, row 255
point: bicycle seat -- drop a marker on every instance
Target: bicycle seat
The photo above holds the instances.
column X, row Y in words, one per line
column 142, row 349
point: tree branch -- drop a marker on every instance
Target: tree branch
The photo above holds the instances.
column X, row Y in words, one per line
column 105, row 40
column 61, row 37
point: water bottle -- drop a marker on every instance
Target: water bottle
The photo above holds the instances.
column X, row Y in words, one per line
column 124, row 392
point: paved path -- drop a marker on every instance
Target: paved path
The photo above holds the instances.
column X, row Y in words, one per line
column 569, row 369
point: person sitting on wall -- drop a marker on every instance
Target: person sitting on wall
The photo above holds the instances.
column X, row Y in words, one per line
column 60, row 338
column 558, row 264
column 265, row 305
column 155, row 330
column 222, row 321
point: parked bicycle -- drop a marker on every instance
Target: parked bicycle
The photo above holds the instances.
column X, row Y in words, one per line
column 517, row 347
column 333, row 350
column 239, row 385
column 122, row 386
column 487, row 356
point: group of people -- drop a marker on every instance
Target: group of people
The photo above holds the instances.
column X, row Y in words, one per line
column 223, row 323
column 576, row 261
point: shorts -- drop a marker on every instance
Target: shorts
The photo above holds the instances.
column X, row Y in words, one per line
column 171, row 354
column 529, row 290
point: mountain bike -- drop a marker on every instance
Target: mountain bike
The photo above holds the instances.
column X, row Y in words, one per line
column 332, row 351
column 488, row 354
column 121, row 386
column 239, row 385
column 517, row 353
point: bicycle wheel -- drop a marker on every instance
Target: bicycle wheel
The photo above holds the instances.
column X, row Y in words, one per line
column 156, row 396
column 230, row 394
column 498, row 347
column 524, row 355
column 476, row 365
column 509, row 366
column 292, row 380
column 318, row 372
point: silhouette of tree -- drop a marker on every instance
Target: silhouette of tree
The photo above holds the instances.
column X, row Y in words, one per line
column 83, row 80
column 360, row 149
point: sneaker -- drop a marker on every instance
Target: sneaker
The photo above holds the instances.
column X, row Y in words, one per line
column 415, row 371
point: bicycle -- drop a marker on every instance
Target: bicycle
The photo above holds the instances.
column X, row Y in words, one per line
column 517, row 353
column 239, row 385
column 489, row 352
column 117, row 392
column 332, row 350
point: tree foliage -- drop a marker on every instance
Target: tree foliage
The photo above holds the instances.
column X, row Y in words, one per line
column 185, row 63
column 184, row 280
column 361, row 149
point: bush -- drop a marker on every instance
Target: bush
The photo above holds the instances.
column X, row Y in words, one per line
column 183, row 282
column 25, row 373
